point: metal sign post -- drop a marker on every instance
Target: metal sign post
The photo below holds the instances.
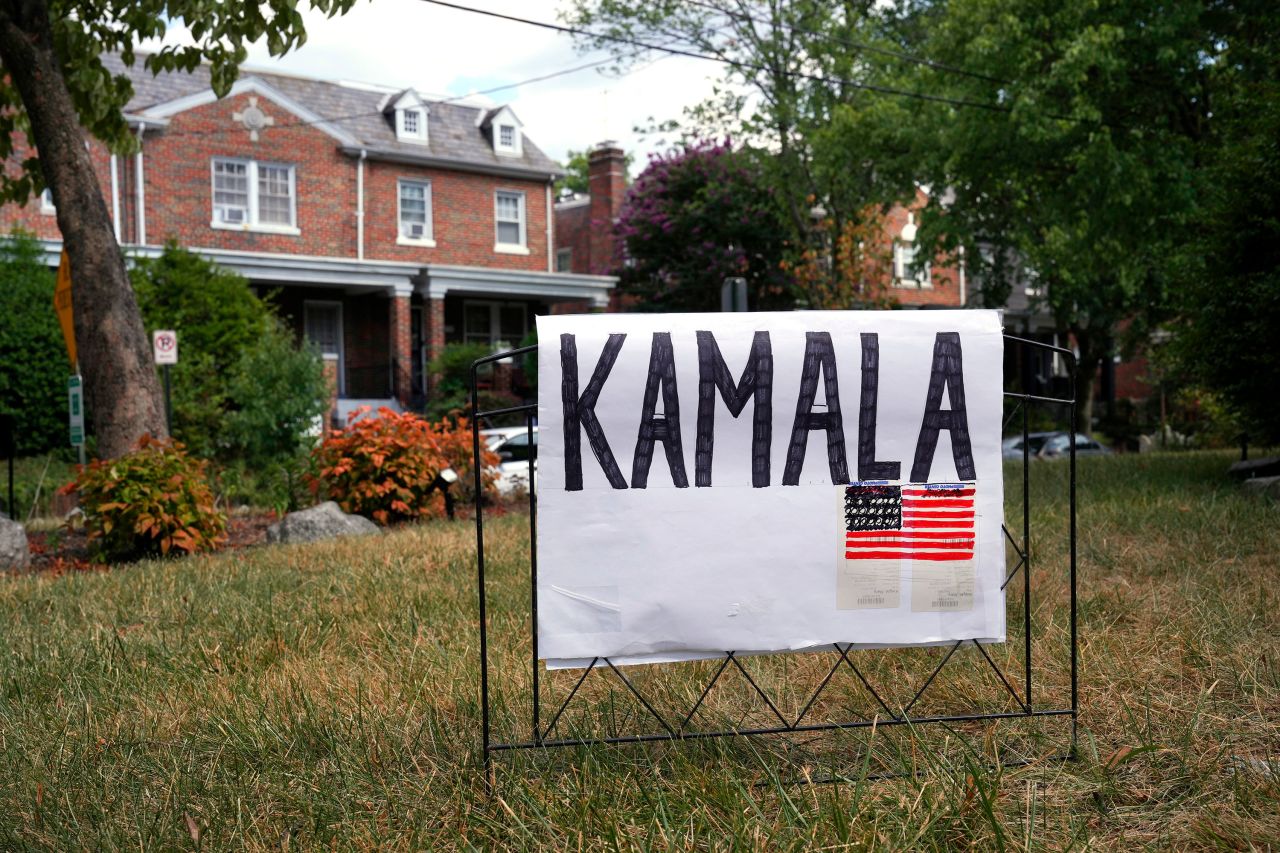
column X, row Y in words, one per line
column 8, row 446
column 164, row 344
column 75, row 413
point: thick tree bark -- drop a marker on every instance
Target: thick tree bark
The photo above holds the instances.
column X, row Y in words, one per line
column 1091, row 353
column 122, row 394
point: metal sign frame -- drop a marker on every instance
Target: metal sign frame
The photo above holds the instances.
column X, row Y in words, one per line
column 541, row 736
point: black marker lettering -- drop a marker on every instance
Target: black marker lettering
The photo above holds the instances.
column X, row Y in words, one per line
column 868, row 467
column 947, row 370
column 756, row 381
column 665, row 427
column 580, row 411
column 819, row 357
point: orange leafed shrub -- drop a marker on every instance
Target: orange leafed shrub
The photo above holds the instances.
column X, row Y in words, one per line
column 154, row 500
column 383, row 467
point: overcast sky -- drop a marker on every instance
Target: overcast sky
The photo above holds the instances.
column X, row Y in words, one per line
column 442, row 51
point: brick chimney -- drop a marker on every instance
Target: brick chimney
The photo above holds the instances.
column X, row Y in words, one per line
column 607, row 183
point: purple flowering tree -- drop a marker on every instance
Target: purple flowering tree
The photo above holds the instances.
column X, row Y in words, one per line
column 694, row 217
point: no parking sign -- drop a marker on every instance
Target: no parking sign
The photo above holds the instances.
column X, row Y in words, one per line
column 164, row 343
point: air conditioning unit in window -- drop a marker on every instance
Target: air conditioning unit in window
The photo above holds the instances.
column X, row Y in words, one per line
column 231, row 215
column 417, row 230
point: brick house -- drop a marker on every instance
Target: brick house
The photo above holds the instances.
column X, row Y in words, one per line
column 384, row 224
column 585, row 241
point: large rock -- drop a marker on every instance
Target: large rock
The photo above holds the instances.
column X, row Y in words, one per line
column 1269, row 486
column 1268, row 466
column 325, row 521
column 14, row 553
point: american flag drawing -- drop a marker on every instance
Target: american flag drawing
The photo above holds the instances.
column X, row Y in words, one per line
column 932, row 521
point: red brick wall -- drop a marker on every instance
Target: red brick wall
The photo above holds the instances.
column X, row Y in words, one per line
column 945, row 271
column 402, row 348
column 573, row 232
column 30, row 217
column 179, row 181
column 463, row 224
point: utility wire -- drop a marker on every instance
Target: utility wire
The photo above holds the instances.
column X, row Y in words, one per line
column 869, row 48
column 749, row 66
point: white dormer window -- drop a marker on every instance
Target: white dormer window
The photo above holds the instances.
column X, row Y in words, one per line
column 504, row 131
column 410, row 116
column 412, row 125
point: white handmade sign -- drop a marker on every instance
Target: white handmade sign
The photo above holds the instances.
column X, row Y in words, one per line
column 767, row 482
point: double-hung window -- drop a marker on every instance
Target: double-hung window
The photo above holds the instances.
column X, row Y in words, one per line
column 249, row 194
column 415, row 211
column 509, row 216
column 905, row 271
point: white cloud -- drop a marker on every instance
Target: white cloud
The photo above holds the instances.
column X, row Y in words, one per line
column 444, row 51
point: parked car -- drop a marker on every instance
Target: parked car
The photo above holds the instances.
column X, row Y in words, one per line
column 1058, row 445
column 1011, row 447
column 513, row 448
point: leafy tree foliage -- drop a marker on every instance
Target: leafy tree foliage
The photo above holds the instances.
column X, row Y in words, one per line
column 55, row 85
column 241, row 388
column 1228, row 275
column 33, row 358
column 803, row 81
column 1080, row 158
column 694, row 217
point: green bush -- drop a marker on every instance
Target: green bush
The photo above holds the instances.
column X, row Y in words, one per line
column 154, row 500
column 242, row 389
column 33, row 357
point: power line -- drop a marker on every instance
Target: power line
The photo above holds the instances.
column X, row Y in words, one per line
column 367, row 113
column 869, row 48
column 750, row 66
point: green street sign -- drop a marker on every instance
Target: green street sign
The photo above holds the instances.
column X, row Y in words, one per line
column 75, row 409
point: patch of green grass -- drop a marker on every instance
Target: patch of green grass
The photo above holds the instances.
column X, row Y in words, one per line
column 35, row 479
column 326, row 695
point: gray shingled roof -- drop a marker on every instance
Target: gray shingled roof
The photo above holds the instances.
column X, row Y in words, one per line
column 453, row 129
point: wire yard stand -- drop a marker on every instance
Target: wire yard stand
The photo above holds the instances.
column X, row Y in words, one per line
column 542, row 735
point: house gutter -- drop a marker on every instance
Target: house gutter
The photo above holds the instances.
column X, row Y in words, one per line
column 141, row 188
column 551, row 252
column 360, row 206
column 115, row 197
column 450, row 163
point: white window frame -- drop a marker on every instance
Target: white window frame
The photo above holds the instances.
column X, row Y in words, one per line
column 501, row 147
column 902, row 274
column 402, row 131
column 251, row 222
column 521, row 248
column 307, row 305
column 47, row 207
column 428, row 239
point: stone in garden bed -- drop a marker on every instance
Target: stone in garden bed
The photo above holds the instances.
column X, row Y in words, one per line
column 1269, row 486
column 324, row 521
column 14, row 553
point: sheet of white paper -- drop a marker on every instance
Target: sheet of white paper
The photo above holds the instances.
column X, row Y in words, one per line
column 671, row 529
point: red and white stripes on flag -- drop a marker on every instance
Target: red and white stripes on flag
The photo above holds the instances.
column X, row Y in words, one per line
column 936, row 523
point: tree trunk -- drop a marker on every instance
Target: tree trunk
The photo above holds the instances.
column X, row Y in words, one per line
column 1087, row 365
column 122, row 394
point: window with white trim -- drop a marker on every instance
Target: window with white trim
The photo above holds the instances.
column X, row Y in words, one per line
column 46, row 202
column 250, row 194
column 411, row 124
column 509, row 216
column 415, row 210
column 905, row 271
